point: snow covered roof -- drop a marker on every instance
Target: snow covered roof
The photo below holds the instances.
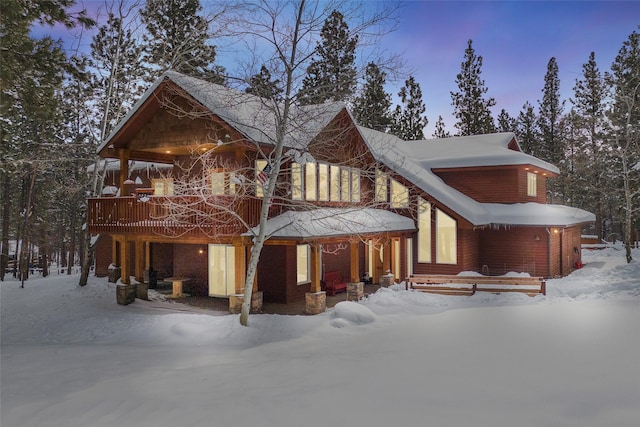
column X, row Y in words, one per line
column 414, row 160
column 333, row 222
column 113, row 165
column 252, row 116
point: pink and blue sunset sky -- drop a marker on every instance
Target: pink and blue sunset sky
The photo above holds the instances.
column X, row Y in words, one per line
column 515, row 38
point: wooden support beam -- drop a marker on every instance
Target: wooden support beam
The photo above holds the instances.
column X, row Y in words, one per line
column 315, row 267
column 125, row 268
column 139, row 261
column 354, row 250
column 240, row 245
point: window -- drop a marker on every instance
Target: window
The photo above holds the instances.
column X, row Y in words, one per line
column 323, row 181
column 532, row 184
column 396, row 258
column 162, row 187
column 335, row 183
column 310, row 181
column 446, row 252
column 302, row 264
column 399, row 195
column 222, row 270
column 381, row 186
column 344, row 185
column 296, row 181
column 424, row 231
column 355, row 185
column 260, row 181
column 222, row 183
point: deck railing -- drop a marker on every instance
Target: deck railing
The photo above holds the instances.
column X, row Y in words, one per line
column 173, row 216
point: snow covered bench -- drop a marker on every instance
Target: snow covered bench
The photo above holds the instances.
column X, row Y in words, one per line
column 469, row 285
column 334, row 283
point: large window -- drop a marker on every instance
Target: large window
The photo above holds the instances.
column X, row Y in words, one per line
column 424, row 231
column 355, row 185
column 335, row 183
column 162, row 187
column 222, row 270
column 310, row 181
column 344, row 185
column 446, row 238
column 262, row 173
column 399, row 195
column 323, row 181
column 532, row 184
column 381, row 186
column 302, row 264
column 296, row 181
column 222, row 183
column 409, row 257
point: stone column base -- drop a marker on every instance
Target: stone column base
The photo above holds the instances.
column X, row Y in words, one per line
column 236, row 300
column 355, row 291
column 114, row 274
column 315, row 302
column 142, row 291
column 125, row 294
column 387, row 280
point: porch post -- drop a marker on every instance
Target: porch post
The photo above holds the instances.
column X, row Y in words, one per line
column 240, row 249
column 139, row 267
column 355, row 288
column 354, row 247
column 124, row 261
column 316, row 299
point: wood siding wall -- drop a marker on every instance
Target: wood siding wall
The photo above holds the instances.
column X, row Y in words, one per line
column 519, row 249
column 494, row 185
column 189, row 262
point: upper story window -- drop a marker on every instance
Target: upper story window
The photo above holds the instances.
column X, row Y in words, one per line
column 424, row 231
column 446, row 239
column 222, row 183
column 399, row 195
column 163, row 187
column 381, row 186
column 532, row 184
column 324, row 182
column 262, row 176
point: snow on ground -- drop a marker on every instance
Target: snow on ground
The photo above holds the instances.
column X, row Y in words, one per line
column 71, row 356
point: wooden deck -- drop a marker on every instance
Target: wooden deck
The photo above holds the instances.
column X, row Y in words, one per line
column 172, row 216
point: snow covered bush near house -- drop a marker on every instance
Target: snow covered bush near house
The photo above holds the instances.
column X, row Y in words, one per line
column 72, row 357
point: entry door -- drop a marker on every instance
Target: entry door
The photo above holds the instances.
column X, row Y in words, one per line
column 222, row 270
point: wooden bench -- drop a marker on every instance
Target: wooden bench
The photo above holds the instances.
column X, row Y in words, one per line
column 334, row 283
column 469, row 285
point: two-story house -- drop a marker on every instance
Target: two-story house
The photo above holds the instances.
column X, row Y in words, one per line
column 348, row 199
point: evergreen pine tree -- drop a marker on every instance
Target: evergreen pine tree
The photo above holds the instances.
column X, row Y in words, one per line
column 262, row 85
column 470, row 107
column 177, row 39
column 505, row 122
column 589, row 166
column 550, row 114
column 527, row 130
column 440, row 132
column 624, row 141
column 331, row 76
column 371, row 107
column 408, row 121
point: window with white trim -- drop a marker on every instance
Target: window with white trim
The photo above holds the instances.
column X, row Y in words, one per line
column 323, row 181
column 302, row 264
column 381, row 186
column 296, row 181
column 310, row 181
column 335, row 183
column 446, row 239
column 355, row 185
column 532, row 184
column 424, row 231
column 399, row 195
column 162, row 187
column 345, row 189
